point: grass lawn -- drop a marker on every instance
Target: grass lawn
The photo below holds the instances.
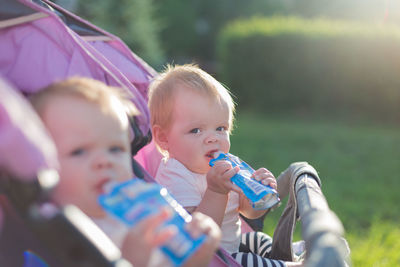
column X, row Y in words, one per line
column 359, row 165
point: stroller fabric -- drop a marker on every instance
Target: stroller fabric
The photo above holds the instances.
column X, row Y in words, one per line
column 24, row 141
column 282, row 241
column 25, row 147
column 44, row 50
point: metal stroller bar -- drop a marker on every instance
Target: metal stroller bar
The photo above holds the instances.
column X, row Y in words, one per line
column 321, row 229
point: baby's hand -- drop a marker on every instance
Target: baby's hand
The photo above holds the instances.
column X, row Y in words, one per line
column 265, row 177
column 145, row 236
column 202, row 224
column 219, row 177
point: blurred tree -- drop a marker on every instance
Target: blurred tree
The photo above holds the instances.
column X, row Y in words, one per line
column 187, row 29
column 368, row 10
column 67, row 4
column 134, row 21
column 191, row 26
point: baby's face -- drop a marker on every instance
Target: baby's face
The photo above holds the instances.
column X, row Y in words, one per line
column 93, row 149
column 200, row 127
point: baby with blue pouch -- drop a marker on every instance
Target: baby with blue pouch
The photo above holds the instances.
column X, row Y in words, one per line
column 192, row 117
column 88, row 122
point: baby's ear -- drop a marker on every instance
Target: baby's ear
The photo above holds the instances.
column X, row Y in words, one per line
column 160, row 137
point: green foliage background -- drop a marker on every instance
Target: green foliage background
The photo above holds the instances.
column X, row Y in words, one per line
column 191, row 28
column 134, row 21
column 325, row 67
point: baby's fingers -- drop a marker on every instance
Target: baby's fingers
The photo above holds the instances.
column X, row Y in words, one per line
column 151, row 230
column 163, row 235
column 202, row 224
column 236, row 188
column 207, row 226
column 262, row 173
column 227, row 177
column 265, row 177
column 228, row 174
column 270, row 181
column 222, row 166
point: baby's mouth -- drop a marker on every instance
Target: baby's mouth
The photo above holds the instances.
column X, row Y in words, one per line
column 210, row 154
column 103, row 185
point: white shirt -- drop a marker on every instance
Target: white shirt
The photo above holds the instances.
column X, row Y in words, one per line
column 188, row 189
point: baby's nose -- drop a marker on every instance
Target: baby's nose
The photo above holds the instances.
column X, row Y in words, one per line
column 102, row 160
column 211, row 138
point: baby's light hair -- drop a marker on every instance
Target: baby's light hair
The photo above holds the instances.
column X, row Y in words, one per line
column 163, row 89
column 85, row 88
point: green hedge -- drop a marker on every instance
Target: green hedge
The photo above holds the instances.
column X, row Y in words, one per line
column 288, row 64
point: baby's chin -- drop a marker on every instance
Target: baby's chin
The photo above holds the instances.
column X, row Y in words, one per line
column 96, row 213
column 200, row 169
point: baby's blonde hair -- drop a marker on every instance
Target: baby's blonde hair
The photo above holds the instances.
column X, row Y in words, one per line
column 163, row 89
column 85, row 88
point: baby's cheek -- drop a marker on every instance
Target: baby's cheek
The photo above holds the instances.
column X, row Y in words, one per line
column 226, row 147
column 127, row 175
column 126, row 166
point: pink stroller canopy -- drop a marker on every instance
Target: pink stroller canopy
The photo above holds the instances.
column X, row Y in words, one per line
column 23, row 138
column 38, row 48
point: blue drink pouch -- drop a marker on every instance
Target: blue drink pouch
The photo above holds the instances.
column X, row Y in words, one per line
column 261, row 196
column 134, row 200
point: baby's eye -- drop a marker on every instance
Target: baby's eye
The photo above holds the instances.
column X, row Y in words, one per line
column 221, row 128
column 195, row 130
column 116, row 149
column 77, row 152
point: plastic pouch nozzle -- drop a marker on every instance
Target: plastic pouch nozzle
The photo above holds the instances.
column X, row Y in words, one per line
column 108, row 187
column 217, row 154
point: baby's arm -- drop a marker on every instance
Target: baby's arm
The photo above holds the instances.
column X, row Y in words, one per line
column 219, row 185
column 266, row 178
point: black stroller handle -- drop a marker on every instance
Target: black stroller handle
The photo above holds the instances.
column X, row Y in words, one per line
column 322, row 231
